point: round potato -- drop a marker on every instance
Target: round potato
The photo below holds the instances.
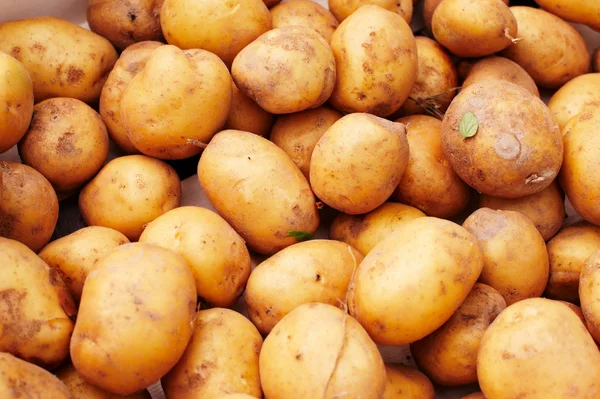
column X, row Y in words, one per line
column 342, row 9
column 536, row 349
column 75, row 255
column 429, row 7
column 248, row 116
column 318, row 351
column 67, row 142
column 449, row 355
column 216, row 254
column 580, row 11
column 29, row 206
column 500, row 68
column 137, row 290
column 305, row 13
column 435, row 258
column 551, row 50
column 574, row 97
column 20, row 379
column 376, row 57
column 575, row 309
column 35, row 307
column 515, row 148
column 589, row 293
column 404, row 382
column 128, row 193
column 358, row 162
column 221, row 358
column 429, row 182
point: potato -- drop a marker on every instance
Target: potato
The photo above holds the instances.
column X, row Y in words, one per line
column 404, row 382
column 125, row 23
column 216, row 254
column 221, row 27
column 221, row 358
column 429, row 182
column 427, row 265
column 449, row 355
column 574, row 97
column 75, row 255
column 589, row 293
column 305, row 13
column 376, row 76
column 130, row 63
column 63, row 59
column 596, row 60
column 178, row 97
column 16, row 94
column 290, row 77
column 429, row 7
column 342, row 9
column 298, row 134
column 29, row 206
column 358, row 162
column 538, row 348
column 135, row 319
column 580, row 11
column 248, row 116
column 551, row 50
column 258, row 190
column 20, row 379
column 502, row 69
column 312, row 271
column 363, row 232
column 318, row 351
column 35, row 307
column 128, row 193
column 517, row 148
column 67, row 142
column 575, row 309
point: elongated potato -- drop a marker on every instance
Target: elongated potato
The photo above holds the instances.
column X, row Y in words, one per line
column 248, row 116
column 404, row 382
column 305, row 13
column 20, row 379
column 342, row 9
column 589, row 294
column 502, row 69
column 574, row 97
column 580, row 11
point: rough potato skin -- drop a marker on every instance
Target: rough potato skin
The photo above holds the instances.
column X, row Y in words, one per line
column 407, row 383
column 20, row 379
column 500, row 68
column 248, row 116
column 589, row 293
column 342, row 9
column 575, row 97
column 517, row 149
column 305, row 13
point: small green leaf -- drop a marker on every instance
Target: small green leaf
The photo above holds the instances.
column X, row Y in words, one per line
column 300, row 235
column 468, row 125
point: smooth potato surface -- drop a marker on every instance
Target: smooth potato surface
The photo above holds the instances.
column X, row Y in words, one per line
column 342, row 9
column 305, row 13
column 589, row 293
column 248, row 116
column 405, row 382
column 429, row 7
column 20, row 379
column 580, row 11
column 574, row 97
column 500, row 68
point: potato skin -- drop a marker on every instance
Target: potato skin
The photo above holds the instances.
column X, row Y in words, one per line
column 305, row 13
column 429, row 7
column 518, row 147
column 514, row 360
column 63, row 59
column 405, row 382
column 589, row 292
column 222, row 357
column 318, row 351
column 342, row 9
column 580, row 11
column 247, row 116
column 33, row 382
column 575, row 309
column 386, row 282
column 29, row 207
column 120, row 304
column 574, row 97
column 449, row 355
column 596, row 61
column 500, row 68
column 35, row 307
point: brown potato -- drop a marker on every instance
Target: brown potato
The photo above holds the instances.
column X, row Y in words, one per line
column 305, row 13
column 247, row 116
column 589, row 293
column 342, row 9
column 271, row 3
column 20, row 379
column 596, row 60
column 405, row 382
column 580, row 11
column 474, row 395
column 29, row 206
column 575, row 309
column 574, row 97
column 429, row 7
column 500, row 68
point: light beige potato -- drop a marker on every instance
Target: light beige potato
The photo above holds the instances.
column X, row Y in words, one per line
column 222, row 27
column 20, row 379
column 579, row 11
column 536, row 349
column 75, row 255
column 551, row 50
column 318, row 351
column 221, row 358
column 248, row 116
column 35, row 307
column 574, row 97
column 429, row 183
column 216, row 254
column 427, row 265
column 63, row 59
column 363, row 232
column 589, row 293
column 305, row 13
column 178, row 99
column 298, row 134
column 500, row 68
column 128, row 193
column 358, row 162
column 376, row 57
column 67, row 142
column 575, row 309
column 405, row 382
column 28, row 206
column 312, row 271
column 429, row 7
column 449, row 355
column 342, row 9
column 135, row 319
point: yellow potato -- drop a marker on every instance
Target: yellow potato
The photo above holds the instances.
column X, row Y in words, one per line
column 305, row 13
column 19, row 379
column 29, row 206
column 63, row 59
column 404, row 382
column 35, row 307
column 580, row 11
column 500, row 68
column 538, row 349
column 128, row 193
column 342, row 9
column 589, row 293
column 575, row 309
column 75, row 255
column 376, row 58
column 574, row 97
column 258, row 190
column 429, row 7
column 312, row 271
column 135, row 319
column 248, row 116
column 318, row 351
column 427, row 265
column 221, row 358
column 216, row 254
column 358, row 162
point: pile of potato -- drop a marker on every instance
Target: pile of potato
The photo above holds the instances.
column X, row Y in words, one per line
column 370, row 187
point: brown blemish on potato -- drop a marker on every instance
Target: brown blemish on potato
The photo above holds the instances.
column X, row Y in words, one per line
column 74, row 75
column 37, row 47
column 65, row 145
column 16, row 327
column 15, row 52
